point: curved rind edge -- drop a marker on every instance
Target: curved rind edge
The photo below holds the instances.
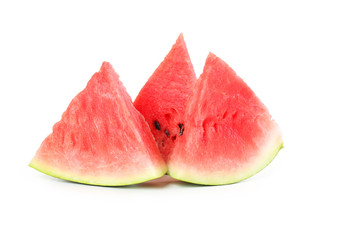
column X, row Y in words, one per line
column 213, row 182
column 153, row 174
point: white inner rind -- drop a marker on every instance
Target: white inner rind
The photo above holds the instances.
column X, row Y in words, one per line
column 188, row 173
column 116, row 179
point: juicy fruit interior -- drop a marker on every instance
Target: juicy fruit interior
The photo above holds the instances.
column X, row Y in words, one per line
column 101, row 139
column 162, row 99
column 229, row 135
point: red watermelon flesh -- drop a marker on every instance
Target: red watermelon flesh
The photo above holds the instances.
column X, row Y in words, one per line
column 229, row 135
column 162, row 99
column 101, row 138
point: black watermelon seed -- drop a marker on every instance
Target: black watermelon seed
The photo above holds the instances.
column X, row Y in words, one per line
column 157, row 125
column 181, row 126
column 167, row 133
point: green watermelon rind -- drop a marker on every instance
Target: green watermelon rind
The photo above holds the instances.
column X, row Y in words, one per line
column 197, row 177
column 100, row 181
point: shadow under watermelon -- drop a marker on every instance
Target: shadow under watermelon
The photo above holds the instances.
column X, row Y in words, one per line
column 161, row 182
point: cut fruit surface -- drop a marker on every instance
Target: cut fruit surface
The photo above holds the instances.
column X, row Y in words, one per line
column 162, row 99
column 101, row 138
column 229, row 134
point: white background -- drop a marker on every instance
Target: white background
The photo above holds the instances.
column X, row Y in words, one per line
column 301, row 58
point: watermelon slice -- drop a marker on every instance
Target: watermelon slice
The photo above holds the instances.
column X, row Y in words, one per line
column 101, row 138
column 162, row 99
column 229, row 135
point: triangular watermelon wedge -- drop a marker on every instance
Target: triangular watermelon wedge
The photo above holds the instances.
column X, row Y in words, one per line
column 229, row 133
column 101, row 138
column 162, row 99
